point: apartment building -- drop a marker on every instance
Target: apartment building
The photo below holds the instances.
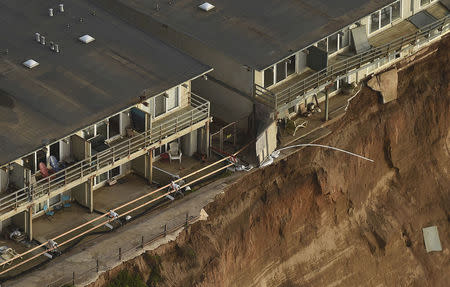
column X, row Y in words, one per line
column 86, row 98
column 271, row 58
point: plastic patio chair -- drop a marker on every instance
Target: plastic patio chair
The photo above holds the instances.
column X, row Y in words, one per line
column 65, row 199
column 174, row 152
column 47, row 211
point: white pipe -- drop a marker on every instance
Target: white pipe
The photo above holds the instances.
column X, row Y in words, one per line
column 329, row 147
column 351, row 98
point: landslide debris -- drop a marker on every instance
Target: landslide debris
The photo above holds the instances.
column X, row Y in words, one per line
column 322, row 218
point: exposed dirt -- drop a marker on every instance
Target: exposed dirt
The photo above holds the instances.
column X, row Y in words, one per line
column 323, row 218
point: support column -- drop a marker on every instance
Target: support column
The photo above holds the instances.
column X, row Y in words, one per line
column 90, row 188
column 29, row 225
column 326, row 105
column 150, row 171
column 148, row 166
column 207, row 139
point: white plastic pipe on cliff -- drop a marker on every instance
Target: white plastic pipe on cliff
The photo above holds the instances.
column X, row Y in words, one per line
column 276, row 153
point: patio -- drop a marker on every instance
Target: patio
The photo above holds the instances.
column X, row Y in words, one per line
column 405, row 27
column 337, row 106
column 127, row 188
column 46, row 227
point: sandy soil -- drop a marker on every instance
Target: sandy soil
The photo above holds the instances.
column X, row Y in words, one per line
column 322, row 218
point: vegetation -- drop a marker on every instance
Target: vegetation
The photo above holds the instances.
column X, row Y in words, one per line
column 126, row 279
column 154, row 264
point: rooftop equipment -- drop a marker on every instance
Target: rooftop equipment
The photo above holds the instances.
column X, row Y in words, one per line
column 206, row 6
column 86, row 39
column 30, row 64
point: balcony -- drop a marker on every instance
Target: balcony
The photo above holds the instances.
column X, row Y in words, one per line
column 386, row 44
column 163, row 130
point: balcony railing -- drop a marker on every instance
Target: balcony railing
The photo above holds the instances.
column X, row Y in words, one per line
column 342, row 68
column 131, row 148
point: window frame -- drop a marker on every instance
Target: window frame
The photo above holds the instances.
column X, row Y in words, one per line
column 423, row 5
column 379, row 12
column 166, row 108
column 274, row 67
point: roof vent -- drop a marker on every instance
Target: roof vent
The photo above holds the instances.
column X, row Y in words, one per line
column 206, row 6
column 30, row 64
column 86, row 39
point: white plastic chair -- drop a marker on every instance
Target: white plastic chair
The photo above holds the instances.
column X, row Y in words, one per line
column 174, row 152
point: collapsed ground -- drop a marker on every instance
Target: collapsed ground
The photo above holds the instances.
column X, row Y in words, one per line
column 322, row 218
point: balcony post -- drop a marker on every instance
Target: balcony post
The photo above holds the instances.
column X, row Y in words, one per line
column 221, row 140
column 326, row 105
column 90, row 186
column 150, row 176
column 30, row 223
column 112, row 153
column 207, row 138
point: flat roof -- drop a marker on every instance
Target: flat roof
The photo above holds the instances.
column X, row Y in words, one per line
column 256, row 33
column 82, row 84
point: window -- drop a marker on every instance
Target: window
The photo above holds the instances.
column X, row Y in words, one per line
column 160, row 105
column 290, row 65
column 114, row 172
column 166, row 102
column 424, row 2
column 374, row 21
column 41, row 156
column 172, row 98
column 102, row 130
column 322, row 45
column 268, row 77
column 54, row 150
column 101, row 178
column 281, row 71
column 344, row 38
column 89, row 133
column 333, row 43
column 385, row 16
column 395, row 10
column 114, row 125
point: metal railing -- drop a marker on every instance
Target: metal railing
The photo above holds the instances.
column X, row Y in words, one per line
column 126, row 149
column 342, row 68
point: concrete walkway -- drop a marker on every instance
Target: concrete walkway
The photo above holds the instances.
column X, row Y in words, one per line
column 105, row 247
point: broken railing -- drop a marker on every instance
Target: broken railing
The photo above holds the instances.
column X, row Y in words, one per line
column 342, row 68
column 199, row 111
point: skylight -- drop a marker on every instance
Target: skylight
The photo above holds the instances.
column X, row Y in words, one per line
column 86, row 39
column 206, row 6
column 30, row 64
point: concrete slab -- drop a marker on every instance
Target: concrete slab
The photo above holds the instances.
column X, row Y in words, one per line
column 386, row 83
column 187, row 166
column 127, row 188
column 46, row 227
column 431, row 238
column 337, row 108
